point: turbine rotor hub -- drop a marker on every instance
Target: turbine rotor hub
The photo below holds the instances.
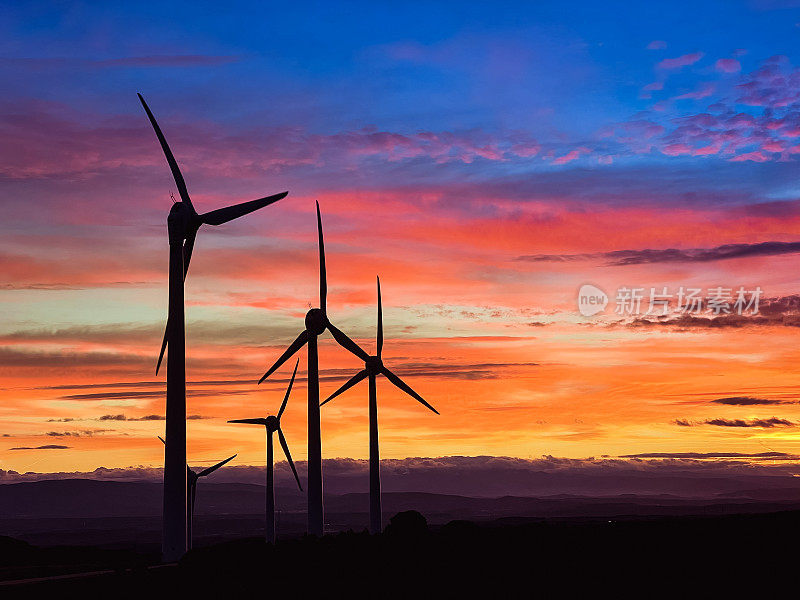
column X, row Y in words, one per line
column 272, row 423
column 316, row 321
column 374, row 365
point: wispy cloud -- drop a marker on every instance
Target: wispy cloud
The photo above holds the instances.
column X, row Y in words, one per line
column 45, row 447
column 122, row 417
column 746, row 401
column 154, row 60
column 728, row 65
column 674, row 255
column 680, row 61
column 714, row 455
column 771, row 422
column 721, row 422
column 145, row 395
column 81, row 433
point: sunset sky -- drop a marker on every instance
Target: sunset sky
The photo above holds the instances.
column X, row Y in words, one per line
column 486, row 160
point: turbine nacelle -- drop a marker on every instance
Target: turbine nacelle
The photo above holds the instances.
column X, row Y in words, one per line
column 181, row 208
column 181, row 219
column 272, row 423
column 316, row 321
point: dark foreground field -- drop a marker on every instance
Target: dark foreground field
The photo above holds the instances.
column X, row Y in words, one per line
column 653, row 557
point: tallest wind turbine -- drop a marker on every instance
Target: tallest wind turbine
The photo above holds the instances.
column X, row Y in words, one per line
column 316, row 323
column 183, row 223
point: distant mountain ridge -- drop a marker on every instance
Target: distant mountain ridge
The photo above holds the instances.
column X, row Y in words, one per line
column 86, row 498
column 119, row 514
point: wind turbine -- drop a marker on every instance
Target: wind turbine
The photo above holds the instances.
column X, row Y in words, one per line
column 373, row 366
column 273, row 424
column 182, row 223
column 316, row 323
column 191, row 483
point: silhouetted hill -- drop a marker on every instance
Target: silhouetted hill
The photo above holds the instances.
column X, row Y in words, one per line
column 732, row 556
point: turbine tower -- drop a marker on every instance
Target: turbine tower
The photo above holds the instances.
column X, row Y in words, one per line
column 316, row 323
column 182, row 224
column 273, row 424
column 373, row 366
column 191, row 483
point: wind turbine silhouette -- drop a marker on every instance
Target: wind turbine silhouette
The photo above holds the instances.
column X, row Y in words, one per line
column 273, row 424
column 191, row 483
column 316, row 323
column 373, row 366
column 183, row 223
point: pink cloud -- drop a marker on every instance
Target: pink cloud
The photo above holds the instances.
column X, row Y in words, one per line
column 774, row 84
column 571, row 155
column 728, row 65
column 708, row 150
column 155, row 60
column 677, row 149
column 657, row 45
column 680, row 61
column 773, row 146
column 45, row 142
column 651, row 87
column 704, row 91
column 725, row 127
column 755, row 156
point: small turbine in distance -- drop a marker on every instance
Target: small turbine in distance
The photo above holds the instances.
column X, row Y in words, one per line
column 373, row 366
column 273, row 424
column 191, row 483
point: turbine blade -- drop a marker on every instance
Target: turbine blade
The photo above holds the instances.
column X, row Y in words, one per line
column 288, row 391
column 188, row 246
column 380, row 320
column 296, row 345
column 173, row 165
column 251, row 421
column 213, row 468
column 163, row 346
column 346, row 343
column 406, row 388
column 162, row 440
column 350, row 383
column 323, row 277
column 229, row 213
column 285, row 447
